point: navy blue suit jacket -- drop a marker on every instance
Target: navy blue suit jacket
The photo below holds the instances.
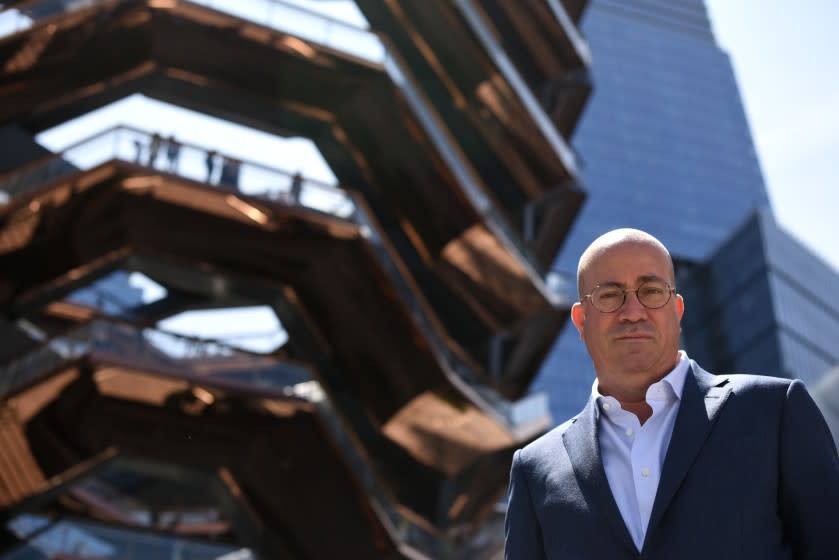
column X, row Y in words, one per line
column 751, row 472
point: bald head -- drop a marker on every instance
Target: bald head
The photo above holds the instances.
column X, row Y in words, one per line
column 610, row 240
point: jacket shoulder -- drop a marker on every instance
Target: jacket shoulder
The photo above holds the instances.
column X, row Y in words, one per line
column 746, row 381
column 741, row 382
column 761, row 391
column 545, row 447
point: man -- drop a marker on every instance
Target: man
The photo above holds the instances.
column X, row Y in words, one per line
column 667, row 461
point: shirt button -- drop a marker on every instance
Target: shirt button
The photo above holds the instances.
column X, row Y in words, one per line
column 645, row 472
column 607, row 406
column 629, row 432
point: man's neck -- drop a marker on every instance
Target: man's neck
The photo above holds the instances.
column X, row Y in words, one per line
column 633, row 397
column 634, row 400
column 641, row 409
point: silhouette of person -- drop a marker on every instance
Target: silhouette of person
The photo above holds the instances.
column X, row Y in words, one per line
column 138, row 151
column 173, row 153
column 296, row 187
column 154, row 148
column 230, row 172
column 210, row 162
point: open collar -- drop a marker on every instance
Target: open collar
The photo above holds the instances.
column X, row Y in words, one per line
column 703, row 396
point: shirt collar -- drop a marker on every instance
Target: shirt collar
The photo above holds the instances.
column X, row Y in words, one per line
column 675, row 379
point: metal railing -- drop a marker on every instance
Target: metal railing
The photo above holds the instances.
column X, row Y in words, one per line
column 155, row 348
column 306, row 24
column 185, row 160
column 276, row 14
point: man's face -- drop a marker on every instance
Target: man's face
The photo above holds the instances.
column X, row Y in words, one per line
column 633, row 346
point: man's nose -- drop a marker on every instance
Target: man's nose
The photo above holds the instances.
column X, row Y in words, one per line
column 632, row 309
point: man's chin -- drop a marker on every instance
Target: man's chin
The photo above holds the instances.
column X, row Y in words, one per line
column 637, row 362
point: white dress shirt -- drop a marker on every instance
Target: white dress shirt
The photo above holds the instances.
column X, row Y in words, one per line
column 632, row 454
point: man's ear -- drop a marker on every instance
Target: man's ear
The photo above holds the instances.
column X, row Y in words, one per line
column 680, row 306
column 578, row 317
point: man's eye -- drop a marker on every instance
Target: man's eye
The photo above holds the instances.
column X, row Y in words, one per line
column 609, row 295
column 652, row 291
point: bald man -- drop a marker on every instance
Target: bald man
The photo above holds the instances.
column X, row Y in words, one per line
column 667, row 461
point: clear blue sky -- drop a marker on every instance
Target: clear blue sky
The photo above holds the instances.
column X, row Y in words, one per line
column 785, row 58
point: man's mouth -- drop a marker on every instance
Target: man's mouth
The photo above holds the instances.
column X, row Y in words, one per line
column 634, row 336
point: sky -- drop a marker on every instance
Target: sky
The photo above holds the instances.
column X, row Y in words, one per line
column 785, row 58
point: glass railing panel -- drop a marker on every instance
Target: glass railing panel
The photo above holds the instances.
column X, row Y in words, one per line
column 26, row 525
column 81, row 156
column 306, row 24
column 154, row 348
column 24, row 15
column 95, row 150
column 279, row 16
column 276, row 14
column 156, row 495
column 356, row 41
column 122, row 293
column 27, row 179
column 188, row 161
column 81, row 539
column 197, row 357
column 28, row 368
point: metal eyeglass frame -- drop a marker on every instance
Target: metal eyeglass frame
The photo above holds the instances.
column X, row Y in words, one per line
column 670, row 292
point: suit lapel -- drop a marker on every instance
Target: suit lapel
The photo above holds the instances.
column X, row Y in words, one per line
column 702, row 398
column 583, row 449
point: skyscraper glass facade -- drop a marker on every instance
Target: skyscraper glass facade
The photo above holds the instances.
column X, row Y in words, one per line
column 664, row 137
column 764, row 304
column 666, row 148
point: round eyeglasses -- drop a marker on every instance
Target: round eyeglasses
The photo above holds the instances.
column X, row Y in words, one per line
column 652, row 294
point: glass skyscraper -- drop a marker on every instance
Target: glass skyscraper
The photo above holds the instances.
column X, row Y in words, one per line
column 763, row 304
column 667, row 149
